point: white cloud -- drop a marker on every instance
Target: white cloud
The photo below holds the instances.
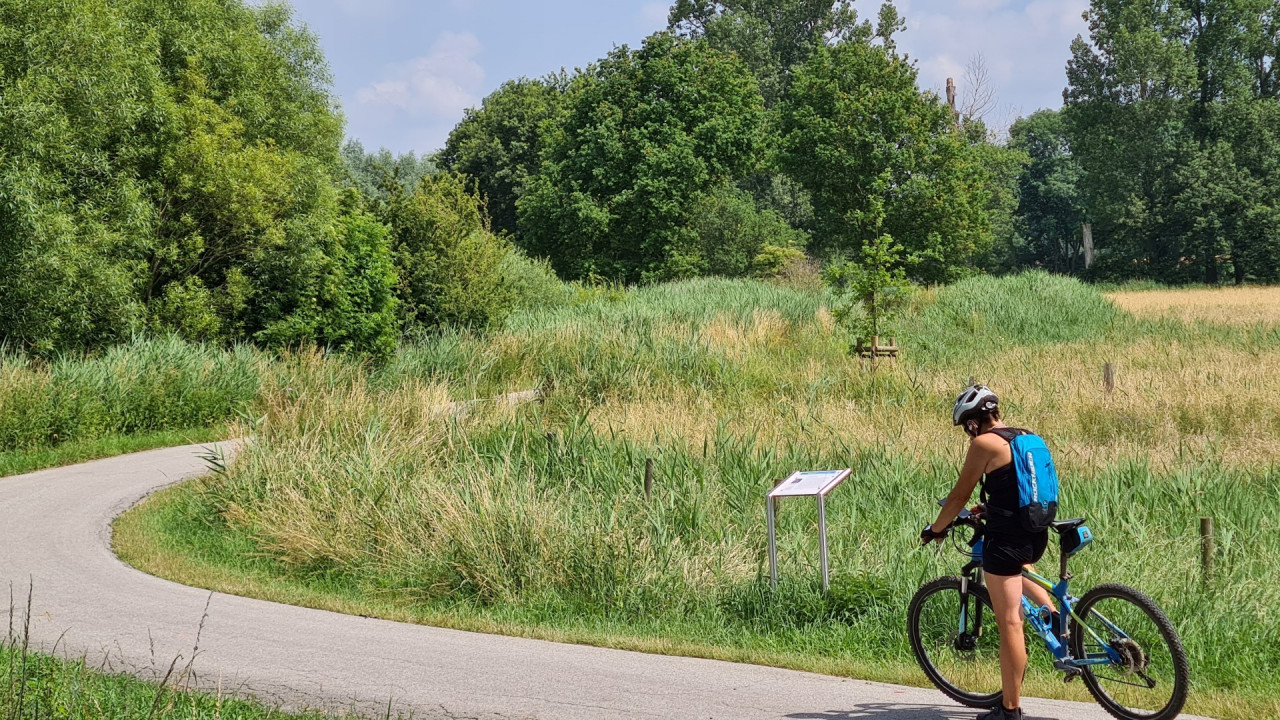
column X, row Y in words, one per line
column 438, row 85
column 654, row 14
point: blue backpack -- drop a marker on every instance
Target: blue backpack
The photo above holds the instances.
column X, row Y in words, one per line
column 1037, row 479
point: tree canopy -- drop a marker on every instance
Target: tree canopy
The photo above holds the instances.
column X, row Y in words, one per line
column 500, row 143
column 774, row 36
column 1172, row 115
column 166, row 165
column 880, row 157
column 645, row 134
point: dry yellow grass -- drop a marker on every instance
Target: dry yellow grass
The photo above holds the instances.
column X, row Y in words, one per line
column 1174, row 402
column 1229, row 306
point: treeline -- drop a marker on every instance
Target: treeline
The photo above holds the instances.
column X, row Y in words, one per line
column 176, row 166
column 1168, row 146
column 749, row 134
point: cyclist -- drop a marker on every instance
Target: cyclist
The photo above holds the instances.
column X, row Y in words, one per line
column 1007, row 548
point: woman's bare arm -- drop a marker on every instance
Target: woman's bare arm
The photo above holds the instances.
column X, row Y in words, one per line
column 975, row 464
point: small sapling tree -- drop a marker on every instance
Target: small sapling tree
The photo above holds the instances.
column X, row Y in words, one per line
column 871, row 290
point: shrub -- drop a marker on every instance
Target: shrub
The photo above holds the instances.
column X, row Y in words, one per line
column 361, row 312
column 449, row 263
column 533, row 283
column 774, row 261
column 735, row 239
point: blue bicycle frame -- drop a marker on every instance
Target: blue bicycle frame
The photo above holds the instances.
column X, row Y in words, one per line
column 1036, row 617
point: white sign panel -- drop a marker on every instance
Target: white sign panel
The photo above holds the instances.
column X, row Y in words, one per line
column 809, row 484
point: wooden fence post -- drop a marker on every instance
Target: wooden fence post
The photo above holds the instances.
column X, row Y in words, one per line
column 1206, row 549
column 1109, row 377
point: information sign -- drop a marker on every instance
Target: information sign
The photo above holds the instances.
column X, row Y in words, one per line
column 812, row 483
column 808, row 484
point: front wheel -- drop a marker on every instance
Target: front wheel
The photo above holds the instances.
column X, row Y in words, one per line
column 1145, row 675
column 956, row 641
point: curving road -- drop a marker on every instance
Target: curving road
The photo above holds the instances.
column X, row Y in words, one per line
column 55, row 531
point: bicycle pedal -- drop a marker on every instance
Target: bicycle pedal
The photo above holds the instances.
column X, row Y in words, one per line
column 1070, row 672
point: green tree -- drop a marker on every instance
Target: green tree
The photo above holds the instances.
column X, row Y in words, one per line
column 167, row 165
column 449, row 264
column 858, row 134
column 374, row 174
column 646, row 134
column 1165, row 106
column 1049, row 212
column 871, row 291
column 500, row 143
column 774, row 36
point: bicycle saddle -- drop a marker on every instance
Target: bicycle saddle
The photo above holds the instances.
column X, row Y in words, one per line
column 1063, row 525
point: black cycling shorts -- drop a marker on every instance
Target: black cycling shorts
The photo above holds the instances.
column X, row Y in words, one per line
column 1006, row 553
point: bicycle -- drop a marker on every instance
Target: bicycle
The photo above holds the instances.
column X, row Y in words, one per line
column 1115, row 638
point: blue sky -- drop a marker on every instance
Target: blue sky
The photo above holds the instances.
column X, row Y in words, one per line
column 406, row 69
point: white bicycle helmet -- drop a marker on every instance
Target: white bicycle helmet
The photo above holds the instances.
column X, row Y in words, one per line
column 974, row 401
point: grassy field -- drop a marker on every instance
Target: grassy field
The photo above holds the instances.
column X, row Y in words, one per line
column 1229, row 306
column 360, row 496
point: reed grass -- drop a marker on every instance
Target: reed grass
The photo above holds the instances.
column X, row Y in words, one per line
column 358, row 496
column 142, row 387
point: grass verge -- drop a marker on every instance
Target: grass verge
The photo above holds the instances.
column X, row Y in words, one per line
column 41, row 687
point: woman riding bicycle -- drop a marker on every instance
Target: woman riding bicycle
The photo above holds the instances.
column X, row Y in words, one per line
column 1008, row 548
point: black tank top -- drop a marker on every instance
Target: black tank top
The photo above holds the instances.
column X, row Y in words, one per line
column 1000, row 491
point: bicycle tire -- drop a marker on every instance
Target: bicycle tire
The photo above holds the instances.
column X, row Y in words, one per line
column 1173, row 644
column 936, row 675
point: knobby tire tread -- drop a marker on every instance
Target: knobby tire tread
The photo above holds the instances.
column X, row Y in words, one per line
column 943, row 584
column 1169, row 635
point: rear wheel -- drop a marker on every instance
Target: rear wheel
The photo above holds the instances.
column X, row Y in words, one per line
column 956, row 641
column 1147, row 676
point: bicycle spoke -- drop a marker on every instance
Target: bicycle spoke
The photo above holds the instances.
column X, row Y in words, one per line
column 968, row 659
column 1143, row 680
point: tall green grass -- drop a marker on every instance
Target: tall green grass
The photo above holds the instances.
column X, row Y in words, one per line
column 982, row 314
column 142, row 387
column 504, row 521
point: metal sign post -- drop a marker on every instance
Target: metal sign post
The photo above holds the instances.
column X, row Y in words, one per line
column 815, row 484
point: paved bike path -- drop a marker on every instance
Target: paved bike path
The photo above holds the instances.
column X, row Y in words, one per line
column 55, row 531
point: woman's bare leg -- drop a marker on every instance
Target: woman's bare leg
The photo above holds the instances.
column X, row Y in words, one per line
column 1006, row 601
column 1038, row 595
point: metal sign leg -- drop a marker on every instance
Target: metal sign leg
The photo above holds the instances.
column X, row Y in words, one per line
column 822, row 538
column 773, row 543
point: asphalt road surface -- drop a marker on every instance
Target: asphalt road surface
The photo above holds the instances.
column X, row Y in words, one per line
column 55, row 533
